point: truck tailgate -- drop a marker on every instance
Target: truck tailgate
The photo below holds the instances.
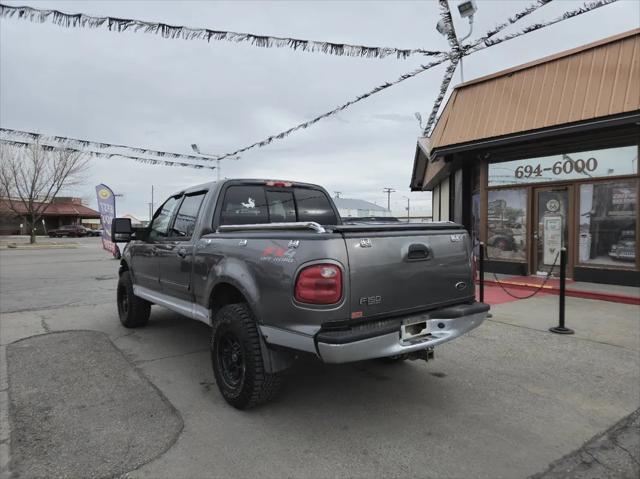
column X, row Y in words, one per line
column 397, row 269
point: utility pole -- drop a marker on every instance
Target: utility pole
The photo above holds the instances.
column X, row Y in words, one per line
column 408, row 208
column 388, row 191
column 151, row 206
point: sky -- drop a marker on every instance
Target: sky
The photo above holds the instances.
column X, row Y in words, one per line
column 146, row 91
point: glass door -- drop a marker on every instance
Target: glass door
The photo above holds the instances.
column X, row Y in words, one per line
column 551, row 230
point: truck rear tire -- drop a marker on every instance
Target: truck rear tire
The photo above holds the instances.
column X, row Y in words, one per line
column 236, row 358
column 133, row 311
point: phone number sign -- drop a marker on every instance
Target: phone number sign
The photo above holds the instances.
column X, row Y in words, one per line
column 569, row 166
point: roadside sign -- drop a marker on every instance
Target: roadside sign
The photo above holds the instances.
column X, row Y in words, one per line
column 107, row 208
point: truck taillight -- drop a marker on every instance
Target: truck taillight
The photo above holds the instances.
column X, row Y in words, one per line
column 319, row 284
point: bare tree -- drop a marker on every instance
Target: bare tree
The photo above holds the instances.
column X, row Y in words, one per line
column 31, row 177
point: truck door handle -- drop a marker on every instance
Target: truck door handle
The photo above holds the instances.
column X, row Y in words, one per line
column 182, row 252
column 418, row 252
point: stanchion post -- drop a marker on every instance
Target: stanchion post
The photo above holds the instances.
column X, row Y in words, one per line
column 481, row 270
column 561, row 328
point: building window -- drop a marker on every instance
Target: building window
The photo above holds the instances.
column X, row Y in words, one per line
column 608, row 214
column 568, row 166
column 507, row 224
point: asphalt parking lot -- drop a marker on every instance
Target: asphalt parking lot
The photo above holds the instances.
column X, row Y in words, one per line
column 504, row 401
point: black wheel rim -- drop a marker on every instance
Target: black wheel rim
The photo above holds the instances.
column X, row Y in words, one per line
column 230, row 359
column 123, row 302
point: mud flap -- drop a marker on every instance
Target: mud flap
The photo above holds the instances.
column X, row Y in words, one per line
column 275, row 360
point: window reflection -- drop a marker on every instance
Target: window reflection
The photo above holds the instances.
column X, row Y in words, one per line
column 506, row 226
column 608, row 223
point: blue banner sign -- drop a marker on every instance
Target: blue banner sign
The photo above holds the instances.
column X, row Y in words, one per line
column 107, row 208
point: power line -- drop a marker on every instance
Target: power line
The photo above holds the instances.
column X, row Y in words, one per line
column 114, row 24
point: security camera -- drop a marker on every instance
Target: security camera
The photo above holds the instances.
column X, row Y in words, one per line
column 468, row 8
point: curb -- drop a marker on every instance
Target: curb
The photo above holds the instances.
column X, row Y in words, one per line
column 44, row 246
column 5, row 426
column 575, row 293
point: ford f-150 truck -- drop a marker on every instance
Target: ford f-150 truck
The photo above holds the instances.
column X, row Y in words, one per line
column 276, row 273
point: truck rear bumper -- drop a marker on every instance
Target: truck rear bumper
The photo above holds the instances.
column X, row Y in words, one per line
column 383, row 338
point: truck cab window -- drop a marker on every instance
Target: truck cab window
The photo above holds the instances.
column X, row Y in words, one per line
column 282, row 208
column 187, row 215
column 159, row 227
column 313, row 205
column 244, row 205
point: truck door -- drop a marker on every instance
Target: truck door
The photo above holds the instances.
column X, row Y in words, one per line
column 143, row 257
column 175, row 252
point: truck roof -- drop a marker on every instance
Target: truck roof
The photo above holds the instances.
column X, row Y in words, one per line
column 218, row 184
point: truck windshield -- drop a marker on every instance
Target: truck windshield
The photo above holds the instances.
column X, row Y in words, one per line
column 258, row 204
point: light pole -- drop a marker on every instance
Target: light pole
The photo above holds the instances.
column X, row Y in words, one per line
column 467, row 10
column 195, row 148
column 408, row 208
column 388, row 191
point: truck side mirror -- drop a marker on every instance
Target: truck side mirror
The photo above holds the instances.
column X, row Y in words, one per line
column 121, row 230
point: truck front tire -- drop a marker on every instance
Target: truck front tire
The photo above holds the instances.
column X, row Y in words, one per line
column 133, row 311
column 237, row 361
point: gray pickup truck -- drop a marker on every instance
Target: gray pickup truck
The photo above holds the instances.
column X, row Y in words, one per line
column 276, row 273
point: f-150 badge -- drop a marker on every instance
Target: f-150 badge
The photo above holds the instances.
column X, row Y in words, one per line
column 371, row 300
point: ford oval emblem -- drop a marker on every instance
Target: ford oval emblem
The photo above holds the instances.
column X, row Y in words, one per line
column 461, row 285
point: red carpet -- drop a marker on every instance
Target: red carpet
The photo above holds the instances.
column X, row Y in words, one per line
column 496, row 295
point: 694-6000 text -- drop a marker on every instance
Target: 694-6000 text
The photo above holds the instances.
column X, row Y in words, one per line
column 566, row 167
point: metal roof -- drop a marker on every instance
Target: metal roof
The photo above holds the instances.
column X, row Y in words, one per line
column 353, row 204
column 596, row 80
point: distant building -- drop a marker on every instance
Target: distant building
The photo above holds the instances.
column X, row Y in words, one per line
column 135, row 221
column 62, row 211
column 351, row 208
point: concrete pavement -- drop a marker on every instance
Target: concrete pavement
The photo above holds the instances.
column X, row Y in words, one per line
column 504, row 401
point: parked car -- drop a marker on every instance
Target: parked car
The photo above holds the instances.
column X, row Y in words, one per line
column 92, row 232
column 276, row 273
column 69, row 230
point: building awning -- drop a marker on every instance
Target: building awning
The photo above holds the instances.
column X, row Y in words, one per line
column 592, row 82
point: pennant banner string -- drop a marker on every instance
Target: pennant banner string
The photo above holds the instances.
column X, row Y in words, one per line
column 81, row 144
column 446, row 81
column 99, row 154
column 81, row 20
column 585, row 8
column 456, row 55
column 482, row 45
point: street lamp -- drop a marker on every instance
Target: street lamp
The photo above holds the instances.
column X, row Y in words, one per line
column 466, row 10
column 195, row 148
